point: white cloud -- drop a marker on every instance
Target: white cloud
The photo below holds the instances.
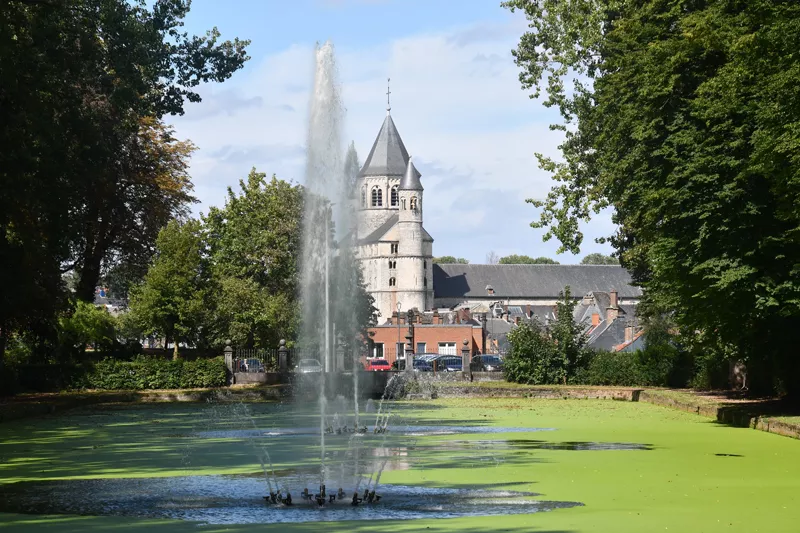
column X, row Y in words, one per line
column 457, row 103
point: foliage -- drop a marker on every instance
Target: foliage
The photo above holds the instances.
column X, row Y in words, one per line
column 687, row 128
column 492, row 258
column 90, row 172
column 87, row 325
column 449, row 259
column 548, row 356
column 156, row 373
column 612, row 368
column 254, row 243
column 526, row 260
column 173, row 300
column 599, row 259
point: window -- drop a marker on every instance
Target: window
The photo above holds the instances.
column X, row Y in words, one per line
column 377, row 197
column 377, row 350
column 425, row 264
column 392, row 282
column 425, row 282
column 394, row 196
column 421, row 347
column 394, row 248
column 392, row 265
column 447, row 348
column 363, row 197
column 401, row 349
column 413, row 203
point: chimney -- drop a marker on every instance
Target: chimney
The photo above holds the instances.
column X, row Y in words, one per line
column 418, row 317
column 613, row 309
column 528, row 310
column 436, row 318
column 595, row 319
column 394, row 320
column 628, row 333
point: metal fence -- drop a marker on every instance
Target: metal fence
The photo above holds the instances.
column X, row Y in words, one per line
column 251, row 360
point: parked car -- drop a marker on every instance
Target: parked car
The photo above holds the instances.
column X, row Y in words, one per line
column 251, row 365
column 308, row 366
column 486, row 363
column 447, row 363
column 422, row 366
column 377, row 365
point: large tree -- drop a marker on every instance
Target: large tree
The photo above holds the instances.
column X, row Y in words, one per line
column 599, row 259
column 254, row 243
column 515, row 259
column 87, row 168
column 449, row 259
column 687, row 127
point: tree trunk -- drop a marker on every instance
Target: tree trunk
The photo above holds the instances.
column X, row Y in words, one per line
column 93, row 254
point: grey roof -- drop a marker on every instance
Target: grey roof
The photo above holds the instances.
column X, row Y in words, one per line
column 410, row 181
column 388, row 156
column 381, row 230
column 606, row 335
column 458, row 281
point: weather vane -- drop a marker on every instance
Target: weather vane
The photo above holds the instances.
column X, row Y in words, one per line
column 388, row 92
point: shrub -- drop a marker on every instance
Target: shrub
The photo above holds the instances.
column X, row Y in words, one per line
column 612, row 368
column 156, row 373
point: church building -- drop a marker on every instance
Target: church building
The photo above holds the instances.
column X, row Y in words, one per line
column 395, row 251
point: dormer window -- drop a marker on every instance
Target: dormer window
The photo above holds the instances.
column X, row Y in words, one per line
column 394, row 196
column 377, row 197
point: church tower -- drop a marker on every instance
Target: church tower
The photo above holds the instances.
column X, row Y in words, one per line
column 393, row 248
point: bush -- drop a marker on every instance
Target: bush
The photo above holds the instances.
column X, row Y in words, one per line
column 156, row 373
column 660, row 365
column 612, row 368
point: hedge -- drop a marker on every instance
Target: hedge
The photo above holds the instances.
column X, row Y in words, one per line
column 156, row 373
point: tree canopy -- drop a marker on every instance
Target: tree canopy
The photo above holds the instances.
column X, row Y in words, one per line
column 526, row 260
column 450, row 259
column 682, row 117
column 599, row 259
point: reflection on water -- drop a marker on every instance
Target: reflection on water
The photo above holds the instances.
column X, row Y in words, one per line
column 239, row 500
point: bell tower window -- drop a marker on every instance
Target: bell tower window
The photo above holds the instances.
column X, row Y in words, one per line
column 394, row 196
column 392, row 282
column 394, row 248
column 377, row 197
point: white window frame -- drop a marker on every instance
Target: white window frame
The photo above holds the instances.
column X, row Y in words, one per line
column 447, row 348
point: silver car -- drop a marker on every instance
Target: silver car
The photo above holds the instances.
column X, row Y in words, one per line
column 307, row 366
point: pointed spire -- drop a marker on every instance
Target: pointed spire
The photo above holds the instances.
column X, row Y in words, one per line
column 410, row 181
column 388, row 156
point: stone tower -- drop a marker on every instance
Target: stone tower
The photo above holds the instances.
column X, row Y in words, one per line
column 394, row 249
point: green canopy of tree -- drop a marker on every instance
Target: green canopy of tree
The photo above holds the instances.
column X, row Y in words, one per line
column 173, row 302
column 599, row 259
column 90, row 173
column 449, row 259
column 526, row 260
column 688, row 129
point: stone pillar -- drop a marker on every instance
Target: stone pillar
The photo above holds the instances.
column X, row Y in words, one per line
column 465, row 357
column 283, row 357
column 228, row 353
column 409, row 351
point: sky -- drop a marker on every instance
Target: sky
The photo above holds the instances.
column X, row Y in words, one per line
column 455, row 96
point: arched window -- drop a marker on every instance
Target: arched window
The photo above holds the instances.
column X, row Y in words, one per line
column 425, row 282
column 377, row 197
column 413, row 203
column 425, row 264
column 392, row 264
column 392, row 282
column 363, row 197
column 394, row 196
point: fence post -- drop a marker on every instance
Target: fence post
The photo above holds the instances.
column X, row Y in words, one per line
column 283, row 357
column 228, row 353
column 465, row 358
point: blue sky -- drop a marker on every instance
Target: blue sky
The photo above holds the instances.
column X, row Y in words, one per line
column 456, row 101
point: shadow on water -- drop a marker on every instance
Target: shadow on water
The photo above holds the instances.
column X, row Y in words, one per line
column 240, row 500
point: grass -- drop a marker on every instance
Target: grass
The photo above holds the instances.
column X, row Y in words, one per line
column 682, row 484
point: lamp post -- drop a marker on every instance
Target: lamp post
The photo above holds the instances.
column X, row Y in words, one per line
column 397, row 350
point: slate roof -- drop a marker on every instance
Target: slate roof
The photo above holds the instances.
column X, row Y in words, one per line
column 607, row 335
column 388, row 156
column 410, row 181
column 457, row 281
column 381, row 230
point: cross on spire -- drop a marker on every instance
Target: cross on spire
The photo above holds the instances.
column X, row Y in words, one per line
column 388, row 92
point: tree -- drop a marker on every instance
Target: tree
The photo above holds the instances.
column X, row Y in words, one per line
column 174, row 299
column 549, row 355
column 687, row 130
column 526, row 260
column 254, row 242
column 492, row 258
column 84, row 173
column 87, row 324
column 599, row 259
column 449, row 259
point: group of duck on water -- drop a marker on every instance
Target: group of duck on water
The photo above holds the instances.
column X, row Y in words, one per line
column 322, row 497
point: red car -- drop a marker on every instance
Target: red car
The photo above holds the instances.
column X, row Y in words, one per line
column 377, row 365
